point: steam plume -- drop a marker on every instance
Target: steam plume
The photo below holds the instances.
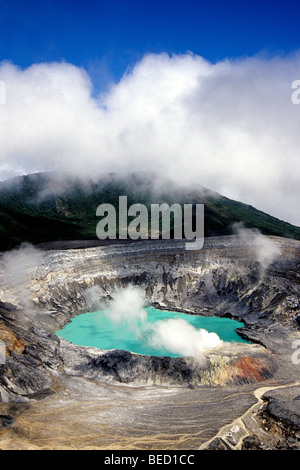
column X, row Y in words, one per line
column 127, row 309
column 179, row 337
column 263, row 248
column 93, row 298
column 18, row 268
column 176, row 336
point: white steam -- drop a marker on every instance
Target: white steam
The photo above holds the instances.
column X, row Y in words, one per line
column 264, row 249
column 127, row 309
column 179, row 337
column 93, row 298
column 175, row 336
column 18, row 268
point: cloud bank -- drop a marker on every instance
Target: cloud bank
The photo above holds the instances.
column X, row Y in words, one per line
column 229, row 126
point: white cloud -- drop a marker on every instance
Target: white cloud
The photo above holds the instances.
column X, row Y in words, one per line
column 230, row 126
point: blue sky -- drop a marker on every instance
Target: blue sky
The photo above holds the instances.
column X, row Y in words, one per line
column 107, row 36
column 206, row 97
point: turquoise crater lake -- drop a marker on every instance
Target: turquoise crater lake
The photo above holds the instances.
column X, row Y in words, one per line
column 153, row 332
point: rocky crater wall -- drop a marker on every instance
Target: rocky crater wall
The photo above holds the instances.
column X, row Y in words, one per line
column 225, row 278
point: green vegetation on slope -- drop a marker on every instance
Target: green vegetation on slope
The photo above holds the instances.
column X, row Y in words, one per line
column 47, row 207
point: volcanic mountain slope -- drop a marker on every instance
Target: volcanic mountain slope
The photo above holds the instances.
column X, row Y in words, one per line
column 45, row 207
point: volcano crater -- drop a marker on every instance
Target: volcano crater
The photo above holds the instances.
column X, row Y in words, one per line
column 223, row 279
